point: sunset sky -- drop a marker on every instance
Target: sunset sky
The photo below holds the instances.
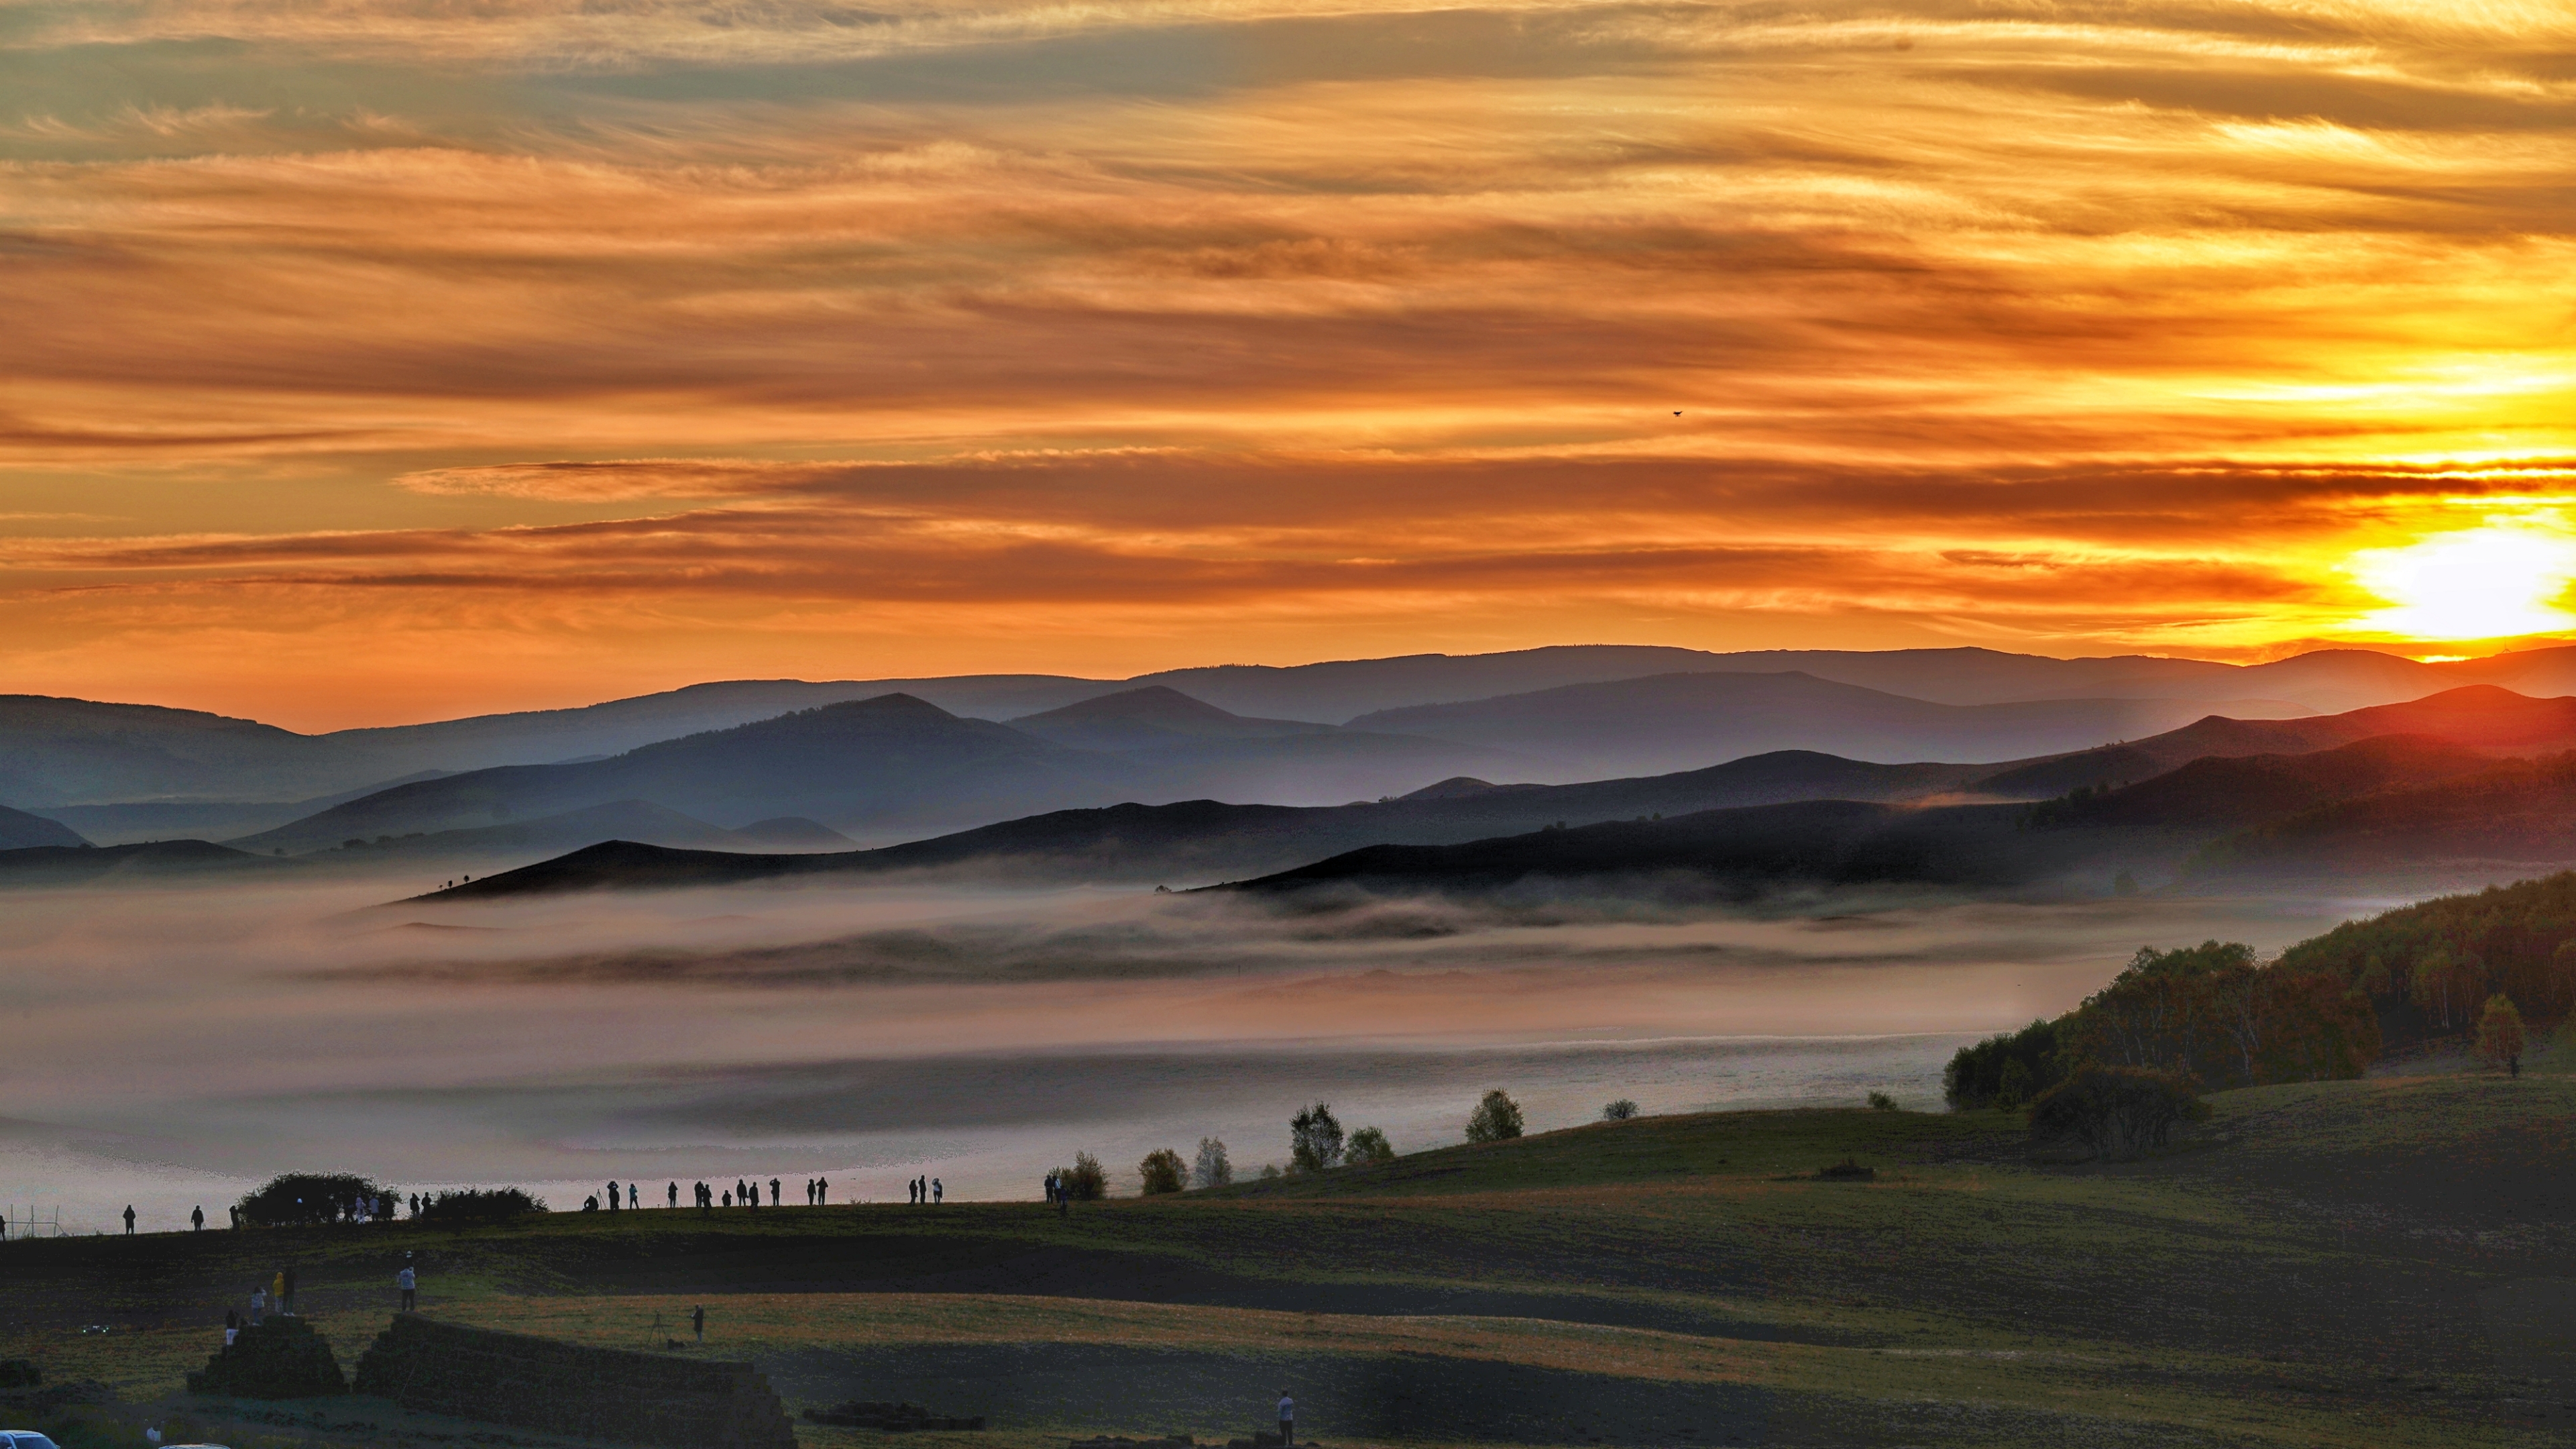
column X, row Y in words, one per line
column 365, row 361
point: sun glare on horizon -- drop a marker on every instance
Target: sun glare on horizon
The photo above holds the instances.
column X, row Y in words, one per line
column 2491, row 582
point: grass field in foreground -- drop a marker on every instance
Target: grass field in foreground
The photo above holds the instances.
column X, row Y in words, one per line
column 2383, row 1262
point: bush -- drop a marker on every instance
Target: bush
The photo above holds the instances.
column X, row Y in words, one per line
column 1269, row 1171
column 1976, row 1075
column 1315, row 1139
column 1163, row 1171
column 2500, row 1037
column 479, row 1205
column 1881, row 1102
column 1619, row 1111
column 1211, row 1169
column 1368, row 1145
column 1084, row 1181
column 304, row 1198
column 1496, row 1119
column 2119, row 1112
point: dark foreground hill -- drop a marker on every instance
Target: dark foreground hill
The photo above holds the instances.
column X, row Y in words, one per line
column 159, row 860
column 2517, row 811
column 2385, row 1268
column 2085, row 839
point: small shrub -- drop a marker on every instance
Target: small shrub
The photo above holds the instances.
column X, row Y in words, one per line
column 1847, row 1170
column 1084, row 1181
column 1619, row 1111
column 1315, row 1139
column 2500, row 1036
column 1881, row 1102
column 1368, row 1145
column 1163, row 1171
column 478, row 1205
column 2119, row 1112
column 304, row 1198
column 1211, row 1169
column 1496, row 1119
column 1269, row 1170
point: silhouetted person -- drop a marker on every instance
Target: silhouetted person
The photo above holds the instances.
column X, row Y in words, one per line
column 698, row 1321
column 632, row 1200
column 776, row 1199
column 235, row 1210
column 938, row 1192
column 129, row 1220
column 675, row 1194
column 728, row 1199
column 613, row 1203
column 822, row 1192
column 197, row 1219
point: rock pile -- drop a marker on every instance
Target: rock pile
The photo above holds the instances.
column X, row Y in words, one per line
column 280, row 1359
column 599, row 1393
column 892, row 1418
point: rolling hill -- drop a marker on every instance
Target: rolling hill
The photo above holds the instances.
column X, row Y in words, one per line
column 20, row 830
column 160, row 860
column 56, row 752
column 1680, row 721
column 1204, row 839
column 2155, row 825
column 890, row 759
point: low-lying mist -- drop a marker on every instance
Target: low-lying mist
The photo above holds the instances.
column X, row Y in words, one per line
column 172, row 1045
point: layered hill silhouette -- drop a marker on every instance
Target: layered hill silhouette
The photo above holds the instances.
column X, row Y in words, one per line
column 20, row 830
column 159, row 861
column 67, row 752
column 2085, row 840
column 897, row 761
column 2245, row 772
column 1197, row 839
column 2520, row 811
column 1674, row 721
column 894, row 759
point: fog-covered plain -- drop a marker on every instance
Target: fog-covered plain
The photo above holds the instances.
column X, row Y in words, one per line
column 170, row 1046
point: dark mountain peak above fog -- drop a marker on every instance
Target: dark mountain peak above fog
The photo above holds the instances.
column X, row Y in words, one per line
column 2473, row 714
column 19, row 830
column 1155, row 714
column 1456, row 787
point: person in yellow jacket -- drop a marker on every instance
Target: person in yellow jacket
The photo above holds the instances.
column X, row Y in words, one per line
column 277, row 1292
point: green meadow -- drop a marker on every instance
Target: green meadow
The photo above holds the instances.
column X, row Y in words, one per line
column 2384, row 1262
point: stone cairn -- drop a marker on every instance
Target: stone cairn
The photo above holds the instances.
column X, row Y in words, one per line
column 600, row 1393
column 890, row 1418
column 282, row 1358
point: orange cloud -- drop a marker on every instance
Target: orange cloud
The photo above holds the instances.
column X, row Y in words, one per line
column 1126, row 325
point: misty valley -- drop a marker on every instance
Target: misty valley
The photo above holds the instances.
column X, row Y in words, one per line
column 1850, row 1040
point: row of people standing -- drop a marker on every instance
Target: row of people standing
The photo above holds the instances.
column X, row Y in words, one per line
column 926, row 1189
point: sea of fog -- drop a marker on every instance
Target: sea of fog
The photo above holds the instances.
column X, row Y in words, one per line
column 172, row 1047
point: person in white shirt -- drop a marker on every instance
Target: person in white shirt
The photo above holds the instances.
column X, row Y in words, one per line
column 408, row 1284
column 1287, row 1419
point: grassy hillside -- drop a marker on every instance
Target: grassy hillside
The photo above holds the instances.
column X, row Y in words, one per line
column 2369, row 1262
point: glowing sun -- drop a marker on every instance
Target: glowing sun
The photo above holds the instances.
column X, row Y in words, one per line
column 2493, row 582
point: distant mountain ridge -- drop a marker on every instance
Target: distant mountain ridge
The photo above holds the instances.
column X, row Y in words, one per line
column 1749, row 817
column 57, row 752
